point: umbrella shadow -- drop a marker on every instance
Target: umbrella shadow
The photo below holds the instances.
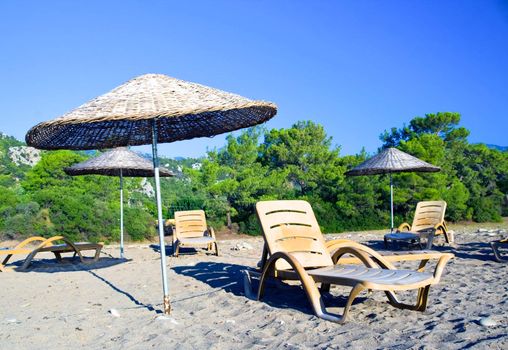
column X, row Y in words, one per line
column 68, row 264
column 121, row 291
column 278, row 294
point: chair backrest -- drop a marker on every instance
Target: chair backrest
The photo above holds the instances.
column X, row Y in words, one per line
column 190, row 223
column 290, row 226
column 428, row 214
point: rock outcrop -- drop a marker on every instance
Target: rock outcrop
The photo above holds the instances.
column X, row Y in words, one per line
column 24, row 155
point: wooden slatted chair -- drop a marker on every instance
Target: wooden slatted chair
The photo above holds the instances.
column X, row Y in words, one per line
column 495, row 247
column 191, row 230
column 295, row 249
column 428, row 222
column 48, row 245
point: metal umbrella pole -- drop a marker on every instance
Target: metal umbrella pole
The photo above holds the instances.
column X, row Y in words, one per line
column 121, row 215
column 391, row 201
column 167, row 305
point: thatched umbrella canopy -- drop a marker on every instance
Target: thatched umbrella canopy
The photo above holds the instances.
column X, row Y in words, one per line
column 117, row 162
column 151, row 108
column 392, row 160
column 123, row 116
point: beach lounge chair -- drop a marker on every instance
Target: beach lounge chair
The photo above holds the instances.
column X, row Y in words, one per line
column 48, row 245
column 428, row 222
column 295, row 249
column 191, row 230
column 495, row 247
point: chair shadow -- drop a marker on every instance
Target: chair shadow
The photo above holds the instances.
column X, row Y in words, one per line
column 157, row 248
column 183, row 250
column 473, row 250
column 278, row 294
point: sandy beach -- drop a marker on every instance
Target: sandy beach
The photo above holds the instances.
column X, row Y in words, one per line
column 116, row 304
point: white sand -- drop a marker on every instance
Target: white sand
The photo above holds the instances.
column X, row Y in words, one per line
column 70, row 305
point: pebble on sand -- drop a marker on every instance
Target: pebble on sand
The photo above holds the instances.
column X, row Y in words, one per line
column 167, row 318
column 242, row 246
column 114, row 312
column 488, row 322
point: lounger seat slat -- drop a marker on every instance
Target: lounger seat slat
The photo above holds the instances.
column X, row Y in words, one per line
column 351, row 275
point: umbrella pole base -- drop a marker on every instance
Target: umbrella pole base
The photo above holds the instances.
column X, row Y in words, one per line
column 167, row 305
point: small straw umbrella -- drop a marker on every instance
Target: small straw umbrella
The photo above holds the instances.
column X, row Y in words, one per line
column 117, row 162
column 389, row 161
column 149, row 109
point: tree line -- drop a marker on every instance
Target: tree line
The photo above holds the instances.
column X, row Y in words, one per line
column 255, row 164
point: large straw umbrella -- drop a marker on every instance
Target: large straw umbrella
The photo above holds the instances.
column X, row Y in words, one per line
column 117, row 162
column 149, row 109
column 389, row 161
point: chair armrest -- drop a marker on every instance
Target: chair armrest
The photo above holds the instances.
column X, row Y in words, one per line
column 440, row 266
column 440, row 227
column 404, row 227
column 339, row 247
column 333, row 244
column 30, row 240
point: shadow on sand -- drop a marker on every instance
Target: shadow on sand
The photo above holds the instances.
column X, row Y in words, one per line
column 126, row 294
column 51, row 265
column 473, row 250
column 183, row 250
column 229, row 277
column 69, row 264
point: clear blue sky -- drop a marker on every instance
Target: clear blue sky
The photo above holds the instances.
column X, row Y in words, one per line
column 357, row 67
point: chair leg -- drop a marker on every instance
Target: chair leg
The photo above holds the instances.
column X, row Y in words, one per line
column 309, row 287
column 247, row 284
column 423, row 295
column 430, row 239
column 421, row 300
column 97, row 253
column 7, row 258
column 177, row 248
column 447, row 238
column 354, row 293
column 497, row 253
column 28, row 260
column 216, row 249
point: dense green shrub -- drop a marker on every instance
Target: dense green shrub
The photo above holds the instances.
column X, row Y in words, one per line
column 299, row 162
